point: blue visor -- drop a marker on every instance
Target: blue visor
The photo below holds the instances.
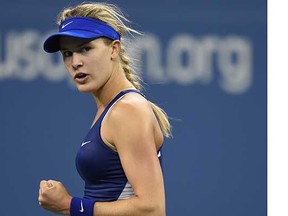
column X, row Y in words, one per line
column 80, row 27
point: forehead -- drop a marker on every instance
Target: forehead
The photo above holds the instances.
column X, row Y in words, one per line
column 70, row 42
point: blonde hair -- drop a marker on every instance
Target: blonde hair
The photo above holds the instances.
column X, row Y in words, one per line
column 112, row 15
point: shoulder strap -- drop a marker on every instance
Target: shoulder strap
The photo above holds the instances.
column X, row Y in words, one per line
column 115, row 99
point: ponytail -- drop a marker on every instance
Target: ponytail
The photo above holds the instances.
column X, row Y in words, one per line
column 113, row 16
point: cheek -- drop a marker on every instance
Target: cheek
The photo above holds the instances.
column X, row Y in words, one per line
column 99, row 64
column 68, row 67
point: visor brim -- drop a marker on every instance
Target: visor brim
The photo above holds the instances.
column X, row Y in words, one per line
column 52, row 43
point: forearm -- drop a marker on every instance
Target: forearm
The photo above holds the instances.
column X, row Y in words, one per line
column 132, row 206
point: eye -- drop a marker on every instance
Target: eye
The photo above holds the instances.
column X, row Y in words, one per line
column 85, row 49
column 66, row 54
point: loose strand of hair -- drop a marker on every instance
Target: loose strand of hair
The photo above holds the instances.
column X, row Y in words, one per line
column 163, row 120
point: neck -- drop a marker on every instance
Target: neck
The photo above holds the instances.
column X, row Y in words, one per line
column 116, row 83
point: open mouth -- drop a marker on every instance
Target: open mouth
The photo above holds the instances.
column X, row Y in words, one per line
column 80, row 76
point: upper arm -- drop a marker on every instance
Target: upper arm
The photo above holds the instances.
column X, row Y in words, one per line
column 132, row 129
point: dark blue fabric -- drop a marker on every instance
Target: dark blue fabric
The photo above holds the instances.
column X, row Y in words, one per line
column 81, row 207
column 98, row 165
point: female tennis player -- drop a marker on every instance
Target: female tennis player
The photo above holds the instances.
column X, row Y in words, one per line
column 120, row 157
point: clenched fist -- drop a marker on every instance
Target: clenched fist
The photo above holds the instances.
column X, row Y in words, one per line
column 54, row 197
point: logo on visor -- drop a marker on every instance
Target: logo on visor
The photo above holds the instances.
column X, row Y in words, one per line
column 64, row 25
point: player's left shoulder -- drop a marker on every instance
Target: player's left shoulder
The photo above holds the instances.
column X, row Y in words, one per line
column 134, row 99
column 132, row 106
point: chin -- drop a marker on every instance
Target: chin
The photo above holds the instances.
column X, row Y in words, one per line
column 84, row 89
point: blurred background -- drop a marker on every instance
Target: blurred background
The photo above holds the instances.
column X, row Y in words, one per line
column 203, row 61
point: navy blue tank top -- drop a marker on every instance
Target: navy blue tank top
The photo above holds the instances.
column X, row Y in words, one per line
column 100, row 167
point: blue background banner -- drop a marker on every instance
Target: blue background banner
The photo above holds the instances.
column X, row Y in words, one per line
column 204, row 62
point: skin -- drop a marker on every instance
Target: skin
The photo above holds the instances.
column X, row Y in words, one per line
column 137, row 149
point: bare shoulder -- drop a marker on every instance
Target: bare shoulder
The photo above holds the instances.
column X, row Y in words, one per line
column 132, row 105
column 131, row 120
column 134, row 113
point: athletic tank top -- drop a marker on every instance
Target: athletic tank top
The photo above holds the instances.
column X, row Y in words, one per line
column 100, row 167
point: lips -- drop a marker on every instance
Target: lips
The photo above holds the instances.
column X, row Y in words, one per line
column 81, row 78
column 80, row 75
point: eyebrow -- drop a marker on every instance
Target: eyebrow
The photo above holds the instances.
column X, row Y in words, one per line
column 77, row 46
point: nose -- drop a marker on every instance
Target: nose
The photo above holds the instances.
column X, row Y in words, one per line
column 76, row 61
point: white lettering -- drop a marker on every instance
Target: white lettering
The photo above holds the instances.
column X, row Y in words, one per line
column 7, row 65
column 51, row 65
column 25, row 55
column 149, row 48
column 235, row 65
column 209, row 46
column 183, row 73
column 185, row 60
